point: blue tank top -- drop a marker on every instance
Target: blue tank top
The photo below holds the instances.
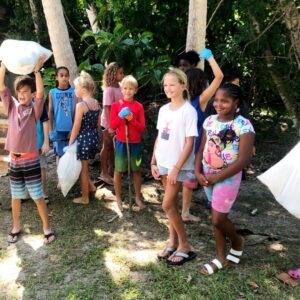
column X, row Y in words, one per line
column 64, row 108
column 201, row 117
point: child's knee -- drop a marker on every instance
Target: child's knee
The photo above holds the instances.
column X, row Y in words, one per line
column 168, row 206
column 217, row 221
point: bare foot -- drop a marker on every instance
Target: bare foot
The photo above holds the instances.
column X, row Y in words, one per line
column 49, row 238
column 120, row 206
column 107, row 179
column 92, row 188
column 80, row 200
column 167, row 252
column 13, row 236
column 190, row 218
column 140, row 204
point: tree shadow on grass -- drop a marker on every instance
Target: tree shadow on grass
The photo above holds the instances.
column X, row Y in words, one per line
column 72, row 267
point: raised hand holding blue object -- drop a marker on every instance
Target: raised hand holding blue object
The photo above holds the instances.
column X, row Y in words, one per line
column 125, row 111
column 205, row 53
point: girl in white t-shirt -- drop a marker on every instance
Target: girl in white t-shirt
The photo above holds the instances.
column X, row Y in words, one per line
column 225, row 149
column 173, row 159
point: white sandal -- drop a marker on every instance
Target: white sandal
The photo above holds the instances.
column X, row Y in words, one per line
column 234, row 256
column 210, row 269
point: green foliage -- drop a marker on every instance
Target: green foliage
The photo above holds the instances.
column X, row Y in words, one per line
column 241, row 44
column 48, row 80
column 137, row 53
column 147, row 35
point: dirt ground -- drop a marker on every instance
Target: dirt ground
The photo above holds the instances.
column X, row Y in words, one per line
column 271, row 233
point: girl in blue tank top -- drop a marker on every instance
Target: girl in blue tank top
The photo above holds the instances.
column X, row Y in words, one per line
column 62, row 102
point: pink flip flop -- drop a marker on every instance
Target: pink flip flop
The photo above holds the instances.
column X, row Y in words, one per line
column 294, row 273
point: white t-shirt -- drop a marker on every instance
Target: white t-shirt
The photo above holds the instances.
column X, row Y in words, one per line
column 173, row 127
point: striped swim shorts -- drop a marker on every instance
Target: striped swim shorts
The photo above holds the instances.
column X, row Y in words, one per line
column 25, row 174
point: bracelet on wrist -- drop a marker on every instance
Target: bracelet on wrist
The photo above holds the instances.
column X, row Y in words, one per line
column 152, row 164
column 176, row 167
column 38, row 71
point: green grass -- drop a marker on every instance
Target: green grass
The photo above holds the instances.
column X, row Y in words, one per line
column 92, row 259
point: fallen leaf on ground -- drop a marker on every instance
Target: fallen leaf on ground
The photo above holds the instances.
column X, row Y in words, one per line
column 253, row 284
column 285, row 277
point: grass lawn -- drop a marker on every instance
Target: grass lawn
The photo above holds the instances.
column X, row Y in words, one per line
column 94, row 259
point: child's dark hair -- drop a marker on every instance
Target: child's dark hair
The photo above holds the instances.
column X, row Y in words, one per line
column 56, row 73
column 191, row 56
column 230, row 75
column 235, row 92
column 196, row 82
column 61, row 68
column 25, row 80
column 109, row 75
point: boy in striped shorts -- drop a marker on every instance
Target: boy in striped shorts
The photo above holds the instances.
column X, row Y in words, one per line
column 21, row 142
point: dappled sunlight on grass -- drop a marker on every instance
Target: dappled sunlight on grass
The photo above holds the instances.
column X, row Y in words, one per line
column 100, row 233
column 34, row 241
column 9, row 272
column 115, row 264
column 277, row 247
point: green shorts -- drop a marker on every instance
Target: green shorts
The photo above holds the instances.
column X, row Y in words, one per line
column 121, row 162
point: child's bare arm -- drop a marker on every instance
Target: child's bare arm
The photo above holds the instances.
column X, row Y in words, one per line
column 77, row 123
column 2, row 77
column 38, row 78
column 198, row 160
column 45, row 147
column 50, row 113
column 38, row 104
column 211, row 89
column 6, row 97
column 187, row 149
column 154, row 168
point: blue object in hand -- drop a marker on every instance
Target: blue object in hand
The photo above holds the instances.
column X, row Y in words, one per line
column 125, row 111
column 205, row 53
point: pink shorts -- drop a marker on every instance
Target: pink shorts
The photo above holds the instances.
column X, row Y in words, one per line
column 223, row 193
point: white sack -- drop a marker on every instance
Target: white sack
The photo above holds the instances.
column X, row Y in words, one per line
column 20, row 57
column 283, row 180
column 68, row 169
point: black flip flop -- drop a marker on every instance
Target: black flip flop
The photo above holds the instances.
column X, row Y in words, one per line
column 185, row 258
column 169, row 250
column 47, row 236
column 13, row 235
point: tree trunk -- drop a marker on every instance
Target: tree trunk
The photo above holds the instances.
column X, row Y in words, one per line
column 59, row 36
column 292, row 21
column 288, row 100
column 35, row 19
column 92, row 16
column 196, row 31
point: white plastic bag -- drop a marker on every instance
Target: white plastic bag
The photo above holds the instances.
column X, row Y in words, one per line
column 68, row 169
column 20, row 57
column 283, row 180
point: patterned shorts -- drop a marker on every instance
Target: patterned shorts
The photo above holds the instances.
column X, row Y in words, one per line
column 223, row 193
column 25, row 174
column 121, row 161
column 187, row 177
